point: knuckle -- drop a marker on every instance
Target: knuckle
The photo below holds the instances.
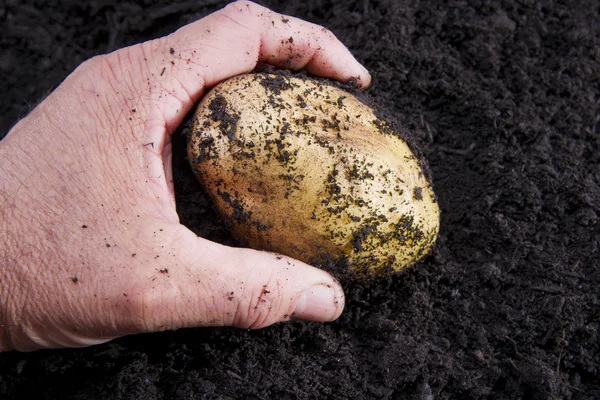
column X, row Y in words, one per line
column 241, row 8
column 90, row 64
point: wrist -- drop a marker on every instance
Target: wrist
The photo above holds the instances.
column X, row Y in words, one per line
column 17, row 229
column 4, row 332
column 8, row 258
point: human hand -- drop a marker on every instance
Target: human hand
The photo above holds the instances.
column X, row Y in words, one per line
column 91, row 247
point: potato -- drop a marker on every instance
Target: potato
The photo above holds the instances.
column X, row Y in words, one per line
column 301, row 167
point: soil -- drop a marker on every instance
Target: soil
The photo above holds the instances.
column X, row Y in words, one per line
column 503, row 99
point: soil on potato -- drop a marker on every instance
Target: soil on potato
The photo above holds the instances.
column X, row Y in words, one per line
column 503, row 99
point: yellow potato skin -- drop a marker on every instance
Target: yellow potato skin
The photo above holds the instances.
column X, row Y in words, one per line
column 303, row 168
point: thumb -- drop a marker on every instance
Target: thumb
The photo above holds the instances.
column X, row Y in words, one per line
column 209, row 284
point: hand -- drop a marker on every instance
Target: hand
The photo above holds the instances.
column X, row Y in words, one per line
column 91, row 247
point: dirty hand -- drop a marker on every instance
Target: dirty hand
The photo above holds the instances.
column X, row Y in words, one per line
column 91, row 247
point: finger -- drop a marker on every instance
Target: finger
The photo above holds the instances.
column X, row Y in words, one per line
column 176, row 69
column 215, row 285
column 276, row 39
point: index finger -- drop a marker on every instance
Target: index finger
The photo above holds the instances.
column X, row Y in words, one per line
column 244, row 34
column 292, row 43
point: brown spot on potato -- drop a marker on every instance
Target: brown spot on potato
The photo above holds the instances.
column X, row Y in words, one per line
column 417, row 193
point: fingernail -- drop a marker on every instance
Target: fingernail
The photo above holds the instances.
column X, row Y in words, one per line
column 317, row 303
column 366, row 75
column 365, row 70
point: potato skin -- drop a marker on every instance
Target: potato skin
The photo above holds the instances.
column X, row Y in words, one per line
column 303, row 168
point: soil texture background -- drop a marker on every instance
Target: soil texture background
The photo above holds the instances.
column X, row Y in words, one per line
column 504, row 100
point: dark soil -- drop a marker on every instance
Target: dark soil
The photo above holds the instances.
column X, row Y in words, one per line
column 503, row 99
